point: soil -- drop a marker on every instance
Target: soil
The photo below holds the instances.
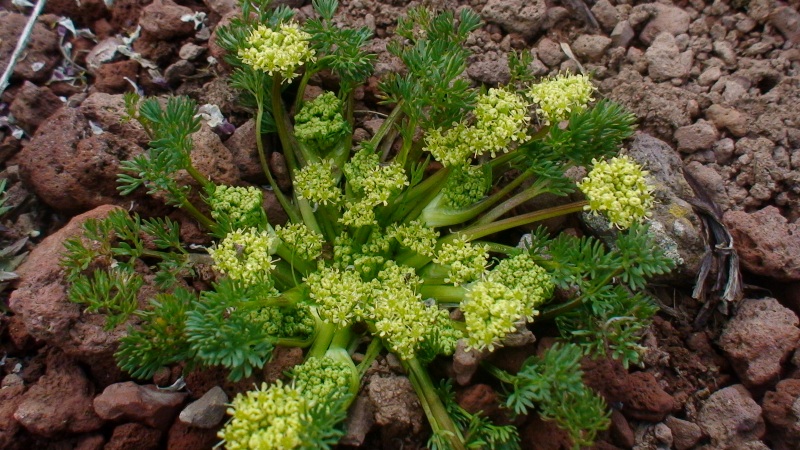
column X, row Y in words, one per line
column 715, row 87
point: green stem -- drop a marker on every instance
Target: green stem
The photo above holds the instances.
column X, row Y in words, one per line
column 563, row 308
column 373, row 350
column 512, row 203
column 199, row 177
column 299, row 155
column 322, row 341
column 443, row 293
column 207, row 223
column 438, row 217
column 479, row 231
column 436, row 411
column 291, row 211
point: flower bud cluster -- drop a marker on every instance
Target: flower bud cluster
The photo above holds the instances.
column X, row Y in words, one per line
column 618, row 189
column 560, row 96
column 466, row 261
column 240, row 205
column 501, row 117
column 303, row 240
column 244, row 255
column 271, row 417
column 315, row 182
column 279, row 52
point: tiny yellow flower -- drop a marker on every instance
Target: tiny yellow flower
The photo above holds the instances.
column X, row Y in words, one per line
column 618, row 189
column 561, row 95
column 244, row 255
column 279, row 52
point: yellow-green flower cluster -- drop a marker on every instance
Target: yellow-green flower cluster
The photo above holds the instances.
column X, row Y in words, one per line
column 315, row 182
column 279, row 52
column 305, row 242
column 491, row 311
column 466, row 262
column 560, row 96
column 501, row 117
column 402, row 320
column 373, row 184
column 265, row 419
column 322, row 379
column 278, row 321
column 465, row 187
column 341, row 297
column 244, row 255
column 416, row 236
column 618, row 189
column 320, row 123
column 522, row 273
column 239, row 206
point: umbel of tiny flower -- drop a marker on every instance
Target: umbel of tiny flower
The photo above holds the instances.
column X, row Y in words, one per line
column 244, row 255
column 501, row 117
column 279, row 52
column 241, row 205
column 558, row 97
column 618, row 189
column 268, row 418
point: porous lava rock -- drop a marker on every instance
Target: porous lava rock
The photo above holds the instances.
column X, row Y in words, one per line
column 766, row 243
column 41, row 302
column 33, row 105
column 42, row 54
column 71, row 169
column 732, row 419
column 128, row 401
column 760, row 337
column 782, row 413
column 133, row 436
column 60, row 401
column 639, row 393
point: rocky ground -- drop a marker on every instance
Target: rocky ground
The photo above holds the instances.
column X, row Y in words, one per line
column 715, row 86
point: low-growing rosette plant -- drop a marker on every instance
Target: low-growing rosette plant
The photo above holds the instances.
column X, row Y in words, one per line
column 395, row 244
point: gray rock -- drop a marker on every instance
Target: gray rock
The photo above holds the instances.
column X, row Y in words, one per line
column 685, row 434
column 490, row 68
column 726, row 52
column 396, row 407
column 518, row 16
column 622, row 35
column 700, row 136
column 550, row 52
column 664, row 18
column 787, row 20
column 728, row 118
column 674, row 222
column 190, row 51
column 207, row 411
column 731, row 418
column 360, row 420
column 761, row 336
column 590, row 47
column 606, row 14
column 711, row 180
column 179, row 70
column 665, row 60
column 709, row 76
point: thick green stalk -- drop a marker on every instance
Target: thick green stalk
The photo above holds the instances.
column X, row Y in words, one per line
column 443, row 293
column 479, row 231
column 435, row 216
column 291, row 211
column 436, row 411
column 322, row 342
column 207, row 223
column 199, row 177
column 528, row 194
